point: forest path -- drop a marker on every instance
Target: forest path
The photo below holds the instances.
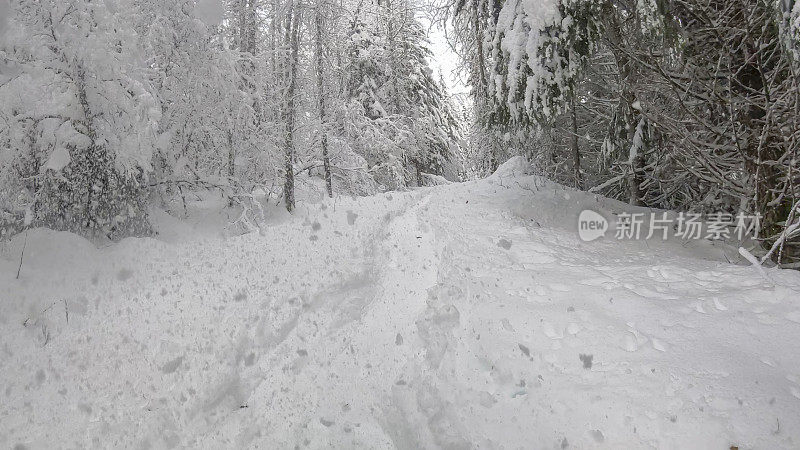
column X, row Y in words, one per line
column 460, row 316
column 487, row 323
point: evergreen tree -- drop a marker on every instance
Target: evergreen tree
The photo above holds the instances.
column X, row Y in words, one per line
column 390, row 79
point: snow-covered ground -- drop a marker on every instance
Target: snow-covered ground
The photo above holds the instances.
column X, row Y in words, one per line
column 460, row 316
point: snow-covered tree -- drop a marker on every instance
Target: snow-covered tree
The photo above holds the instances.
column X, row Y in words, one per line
column 80, row 139
column 703, row 123
column 407, row 112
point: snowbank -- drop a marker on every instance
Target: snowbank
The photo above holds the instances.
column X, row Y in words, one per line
column 516, row 166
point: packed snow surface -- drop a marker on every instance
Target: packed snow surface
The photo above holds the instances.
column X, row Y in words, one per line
column 460, row 316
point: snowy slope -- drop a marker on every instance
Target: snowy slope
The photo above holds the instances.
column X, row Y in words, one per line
column 460, row 316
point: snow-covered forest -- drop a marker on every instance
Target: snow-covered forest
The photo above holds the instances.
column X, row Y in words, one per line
column 292, row 224
column 110, row 108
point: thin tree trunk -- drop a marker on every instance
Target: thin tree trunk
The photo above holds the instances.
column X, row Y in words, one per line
column 252, row 24
column 273, row 41
column 231, row 161
column 231, row 156
column 326, row 162
column 627, row 98
column 96, row 172
column 481, row 91
column 288, row 188
column 636, row 178
column 576, row 153
column 242, row 31
column 397, row 106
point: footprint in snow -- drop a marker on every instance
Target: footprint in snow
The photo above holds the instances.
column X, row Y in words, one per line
column 172, row 366
column 556, row 287
column 550, row 331
column 634, row 340
column 766, row 319
column 795, row 392
column 697, row 306
column 504, row 243
column 630, row 344
column 486, row 399
column 435, row 327
column 351, row 218
column 658, row 345
column 326, row 423
column 124, row 274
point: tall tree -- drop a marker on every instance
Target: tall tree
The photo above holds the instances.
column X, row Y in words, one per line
column 320, row 51
column 293, row 37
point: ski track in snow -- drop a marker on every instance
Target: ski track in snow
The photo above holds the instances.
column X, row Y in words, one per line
column 461, row 316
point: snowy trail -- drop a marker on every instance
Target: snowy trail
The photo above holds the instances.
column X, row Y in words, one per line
column 611, row 345
column 461, row 316
column 330, row 376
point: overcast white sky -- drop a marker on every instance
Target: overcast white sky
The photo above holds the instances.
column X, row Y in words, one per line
column 444, row 59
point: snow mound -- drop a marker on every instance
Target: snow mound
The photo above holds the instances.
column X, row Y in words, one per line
column 516, row 166
column 49, row 250
column 435, row 180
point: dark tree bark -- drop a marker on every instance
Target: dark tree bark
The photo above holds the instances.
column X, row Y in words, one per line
column 576, row 153
column 627, row 98
column 293, row 30
column 326, row 162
